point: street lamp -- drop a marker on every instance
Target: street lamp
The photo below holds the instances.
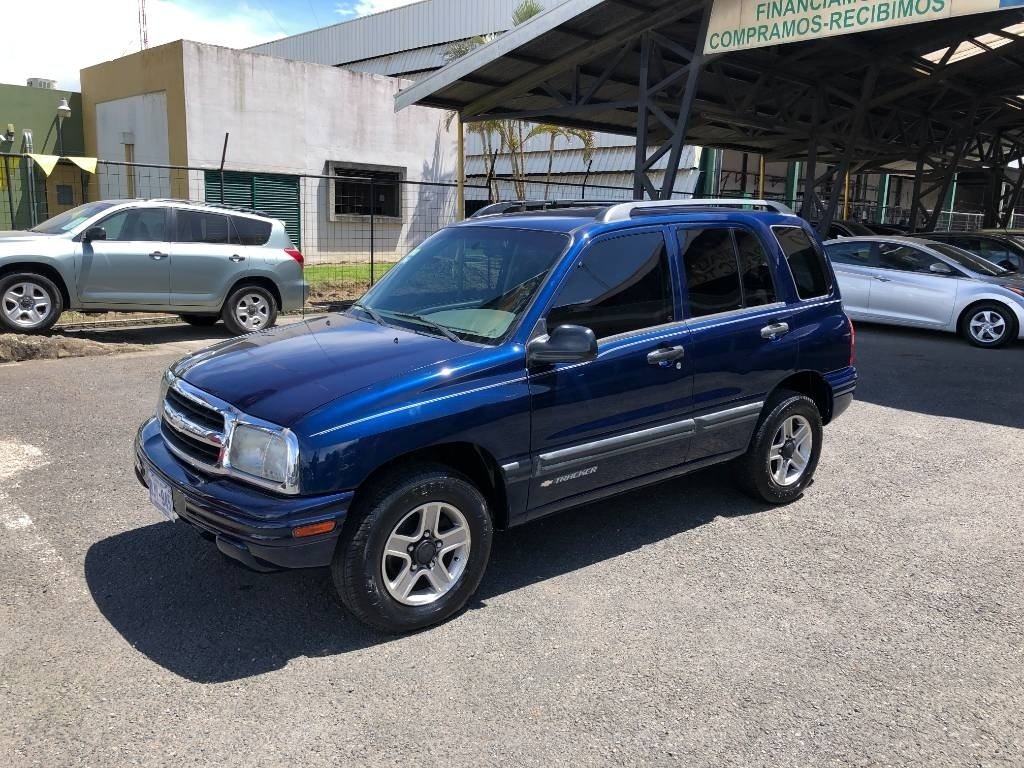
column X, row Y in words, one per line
column 63, row 112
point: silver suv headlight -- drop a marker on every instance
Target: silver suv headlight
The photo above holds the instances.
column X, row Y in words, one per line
column 264, row 452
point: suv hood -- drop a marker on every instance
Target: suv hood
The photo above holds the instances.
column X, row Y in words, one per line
column 21, row 236
column 284, row 373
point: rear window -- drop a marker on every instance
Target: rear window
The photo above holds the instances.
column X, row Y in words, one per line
column 199, row 227
column 806, row 262
column 247, row 231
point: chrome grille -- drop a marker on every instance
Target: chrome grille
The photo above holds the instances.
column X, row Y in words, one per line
column 194, row 428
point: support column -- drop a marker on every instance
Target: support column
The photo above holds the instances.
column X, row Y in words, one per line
column 460, row 203
column 883, row 198
column 792, row 183
column 640, row 159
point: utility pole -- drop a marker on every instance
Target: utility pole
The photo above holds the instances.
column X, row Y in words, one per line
column 143, row 32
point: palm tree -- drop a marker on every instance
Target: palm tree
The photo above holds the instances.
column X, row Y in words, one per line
column 511, row 139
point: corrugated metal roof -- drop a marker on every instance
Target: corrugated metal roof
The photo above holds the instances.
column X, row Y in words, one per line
column 418, row 25
column 403, row 62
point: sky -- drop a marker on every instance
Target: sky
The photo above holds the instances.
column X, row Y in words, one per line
column 85, row 33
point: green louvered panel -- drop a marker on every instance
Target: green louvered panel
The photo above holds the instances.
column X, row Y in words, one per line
column 275, row 195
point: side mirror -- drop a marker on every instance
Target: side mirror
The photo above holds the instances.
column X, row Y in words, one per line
column 565, row 344
column 939, row 268
column 94, row 233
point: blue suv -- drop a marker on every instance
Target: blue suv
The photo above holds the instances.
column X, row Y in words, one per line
column 511, row 366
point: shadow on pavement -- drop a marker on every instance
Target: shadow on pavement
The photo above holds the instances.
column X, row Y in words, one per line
column 174, row 598
column 940, row 374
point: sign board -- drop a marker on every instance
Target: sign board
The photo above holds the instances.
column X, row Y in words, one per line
column 739, row 24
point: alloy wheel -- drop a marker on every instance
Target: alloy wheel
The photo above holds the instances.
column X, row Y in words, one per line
column 26, row 304
column 791, row 451
column 252, row 311
column 426, row 554
column 987, row 326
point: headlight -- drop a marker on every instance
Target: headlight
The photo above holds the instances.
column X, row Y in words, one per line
column 265, row 453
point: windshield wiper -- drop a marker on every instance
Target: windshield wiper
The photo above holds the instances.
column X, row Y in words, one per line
column 429, row 323
column 371, row 312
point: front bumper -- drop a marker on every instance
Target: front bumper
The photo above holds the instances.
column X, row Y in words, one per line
column 250, row 525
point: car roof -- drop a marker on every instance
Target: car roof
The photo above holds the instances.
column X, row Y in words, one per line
column 198, row 205
column 586, row 219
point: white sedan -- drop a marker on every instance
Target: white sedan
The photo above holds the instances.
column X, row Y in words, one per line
column 927, row 284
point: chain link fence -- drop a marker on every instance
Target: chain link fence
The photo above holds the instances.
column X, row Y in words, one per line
column 351, row 228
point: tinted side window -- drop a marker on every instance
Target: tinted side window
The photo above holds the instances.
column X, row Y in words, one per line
column 858, row 253
column 199, row 227
column 712, row 275
column 246, row 231
column 999, row 253
column 755, row 274
column 904, row 258
column 137, row 224
column 618, row 285
column 805, row 262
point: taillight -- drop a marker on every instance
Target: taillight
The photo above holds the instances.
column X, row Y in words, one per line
column 295, row 254
column 853, row 338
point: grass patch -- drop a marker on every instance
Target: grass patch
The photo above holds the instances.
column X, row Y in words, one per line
column 319, row 274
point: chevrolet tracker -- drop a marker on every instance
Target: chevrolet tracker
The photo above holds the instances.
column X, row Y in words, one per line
column 510, row 366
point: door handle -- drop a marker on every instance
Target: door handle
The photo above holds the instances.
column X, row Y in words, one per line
column 665, row 355
column 157, row 255
column 236, row 258
column 774, row 330
column 882, row 279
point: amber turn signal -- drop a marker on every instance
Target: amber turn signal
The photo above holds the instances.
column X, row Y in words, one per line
column 313, row 529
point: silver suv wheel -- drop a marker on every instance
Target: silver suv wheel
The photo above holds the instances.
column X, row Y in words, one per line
column 791, row 450
column 252, row 311
column 27, row 304
column 426, row 554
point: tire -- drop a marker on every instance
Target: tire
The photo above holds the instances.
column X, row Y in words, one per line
column 392, row 517
column 29, row 303
column 989, row 325
column 249, row 308
column 200, row 321
column 766, row 472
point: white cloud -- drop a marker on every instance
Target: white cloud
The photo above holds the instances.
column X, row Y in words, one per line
column 80, row 34
column 350, row 9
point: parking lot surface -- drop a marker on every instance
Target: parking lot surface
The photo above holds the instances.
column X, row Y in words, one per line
column 877, row 621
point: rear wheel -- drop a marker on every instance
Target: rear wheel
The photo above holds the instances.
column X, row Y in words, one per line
column 415, row 549
column 250, row 308
column 200, row 321
column 784, row 450
column 29, row 303
column 989, row 325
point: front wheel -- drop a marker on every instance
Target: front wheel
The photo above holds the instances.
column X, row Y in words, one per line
column 415, row 549
column 989, row 325
column 784, row 451
column 29, row 303
column 250, row 308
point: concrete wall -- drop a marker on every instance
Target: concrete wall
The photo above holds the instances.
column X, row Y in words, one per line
column 142, row 122
column 297, row 118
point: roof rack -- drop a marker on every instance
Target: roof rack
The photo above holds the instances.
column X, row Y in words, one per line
column 523, row 206
column 207, row 204
column 623, row 211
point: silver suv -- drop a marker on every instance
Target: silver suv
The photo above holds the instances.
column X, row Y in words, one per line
column 202, row 261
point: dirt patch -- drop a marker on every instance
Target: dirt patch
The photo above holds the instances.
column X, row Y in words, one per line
column 15, row 348
column 328, row 290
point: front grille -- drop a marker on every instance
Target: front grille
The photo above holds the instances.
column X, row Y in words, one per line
column 193, row 429
column 199, row 413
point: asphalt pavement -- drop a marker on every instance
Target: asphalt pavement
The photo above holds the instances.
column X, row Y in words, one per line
column 878, row 620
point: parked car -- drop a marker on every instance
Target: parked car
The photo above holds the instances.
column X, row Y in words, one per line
column 509, row 367
column 1004, row 250
column 886, row 229
column 928, row 284
column 847, row 229
column 201, row 261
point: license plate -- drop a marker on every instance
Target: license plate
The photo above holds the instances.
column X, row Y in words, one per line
column 161, row 497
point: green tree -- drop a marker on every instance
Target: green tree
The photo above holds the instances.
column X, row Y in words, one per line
column 509, row 137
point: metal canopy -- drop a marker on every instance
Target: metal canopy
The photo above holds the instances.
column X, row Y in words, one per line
column 938, row 95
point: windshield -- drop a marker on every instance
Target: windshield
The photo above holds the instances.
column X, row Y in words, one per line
column 968, row 260
column 67, row 221
column 472, row 283
column 858, row 229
